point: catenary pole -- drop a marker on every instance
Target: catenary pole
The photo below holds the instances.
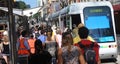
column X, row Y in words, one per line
column 12, row 33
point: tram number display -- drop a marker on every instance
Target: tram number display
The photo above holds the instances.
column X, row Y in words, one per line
column 96, row 10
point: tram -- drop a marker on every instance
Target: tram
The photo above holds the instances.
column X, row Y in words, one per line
column 98, row 17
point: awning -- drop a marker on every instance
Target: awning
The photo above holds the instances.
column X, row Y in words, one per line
column 15, row 11
column 27, row 12
column 21, row 12
column 116, row 7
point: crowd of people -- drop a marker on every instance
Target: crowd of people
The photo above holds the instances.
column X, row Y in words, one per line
column 50, row 45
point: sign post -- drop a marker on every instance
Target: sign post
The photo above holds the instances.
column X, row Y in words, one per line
column 12, row 33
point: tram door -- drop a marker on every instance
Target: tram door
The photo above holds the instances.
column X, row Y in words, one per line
column 75, row 20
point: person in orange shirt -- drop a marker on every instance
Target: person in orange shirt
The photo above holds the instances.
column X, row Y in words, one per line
column 31, row 42
column 23, row 49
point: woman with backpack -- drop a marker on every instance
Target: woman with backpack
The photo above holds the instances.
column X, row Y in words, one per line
column 68, row 53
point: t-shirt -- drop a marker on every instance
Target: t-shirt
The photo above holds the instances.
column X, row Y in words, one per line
column 51, row 47
column 70, row 57
column 42, row 38
column 77, row 39
column 58, row 38
column 87, row 43
column 43, row 57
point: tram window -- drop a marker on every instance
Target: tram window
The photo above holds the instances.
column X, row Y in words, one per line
column 99, row 21
column 102, row 22
column 76, row 19
column 3, row 26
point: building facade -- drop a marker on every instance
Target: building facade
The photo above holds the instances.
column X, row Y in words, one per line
column 2, row 4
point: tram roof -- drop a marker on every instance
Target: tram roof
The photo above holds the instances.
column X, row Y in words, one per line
column 76, row 8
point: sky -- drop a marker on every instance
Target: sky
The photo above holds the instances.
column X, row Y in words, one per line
column 32, row 3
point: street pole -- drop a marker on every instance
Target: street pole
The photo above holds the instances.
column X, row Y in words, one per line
column 12, row 33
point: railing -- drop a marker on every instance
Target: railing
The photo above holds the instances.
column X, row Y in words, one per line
column 3, row 18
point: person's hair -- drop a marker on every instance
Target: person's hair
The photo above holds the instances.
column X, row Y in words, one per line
column 83, row 32
column 23, row 33
column 67, row 40
column 42, row 31
column 69, row 30
column 49, row 33
column 5, row 39
column 31, row 35
column 80, row 25
column 58, row 31
column 38, row 46
column 0, row 40
column 49, row 36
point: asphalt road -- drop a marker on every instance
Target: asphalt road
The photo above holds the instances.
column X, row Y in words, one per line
column 111, row 61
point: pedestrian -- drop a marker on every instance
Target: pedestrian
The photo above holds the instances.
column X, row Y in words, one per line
column 89, row 37
column 42, row 37
column 1, row 48
column 41, row 56
column 23, row 48
column 68, row 53
column 53, row 31
column 58, row 37
column 31, row 42
column 5, row 49
column 83, row 34
column 51, row 46
column 36, row 32
column 76, row 37
column 1, row 45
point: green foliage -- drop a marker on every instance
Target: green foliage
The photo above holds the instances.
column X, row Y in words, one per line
column 36, row 15
column 20, row 5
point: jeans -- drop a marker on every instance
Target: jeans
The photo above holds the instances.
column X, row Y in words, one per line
column 54, row 61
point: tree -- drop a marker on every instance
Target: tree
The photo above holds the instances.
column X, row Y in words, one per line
column 20, row 5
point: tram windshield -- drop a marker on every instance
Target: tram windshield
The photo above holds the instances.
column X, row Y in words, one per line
column 99, row 21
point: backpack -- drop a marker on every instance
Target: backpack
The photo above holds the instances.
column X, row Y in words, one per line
column 89, row 53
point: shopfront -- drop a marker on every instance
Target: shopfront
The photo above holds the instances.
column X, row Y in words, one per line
column 117, row 17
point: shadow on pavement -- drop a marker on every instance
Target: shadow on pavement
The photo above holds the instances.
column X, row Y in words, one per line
column 109, row 60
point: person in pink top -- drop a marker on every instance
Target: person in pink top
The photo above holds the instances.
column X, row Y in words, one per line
column 58, row 37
